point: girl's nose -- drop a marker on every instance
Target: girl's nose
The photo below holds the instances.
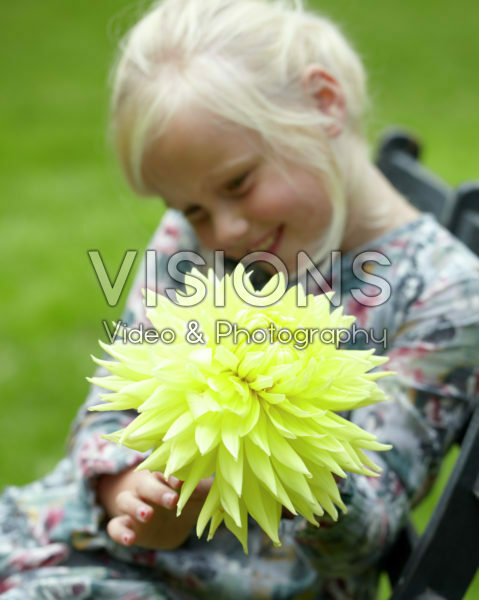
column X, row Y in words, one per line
column 230, row 226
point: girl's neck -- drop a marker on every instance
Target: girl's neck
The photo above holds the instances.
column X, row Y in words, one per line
column 374, row 208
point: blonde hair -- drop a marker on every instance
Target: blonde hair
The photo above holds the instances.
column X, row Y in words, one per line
column 242, row 60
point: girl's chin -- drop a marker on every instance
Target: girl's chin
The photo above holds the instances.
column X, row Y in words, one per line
column 272, row 267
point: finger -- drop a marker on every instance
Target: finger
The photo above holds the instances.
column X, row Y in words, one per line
column 120, row 530
column 129, row 504
column 151, row 490
column 172, row 481
column 201, row 490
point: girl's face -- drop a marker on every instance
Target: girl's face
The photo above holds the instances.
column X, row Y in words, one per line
column 236, row 199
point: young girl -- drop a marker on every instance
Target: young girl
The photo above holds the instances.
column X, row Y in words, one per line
column 246, row 118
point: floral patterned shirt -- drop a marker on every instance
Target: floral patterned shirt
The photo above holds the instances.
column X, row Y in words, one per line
column 53, row 542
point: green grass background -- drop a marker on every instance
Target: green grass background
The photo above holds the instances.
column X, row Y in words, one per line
column 62, row 194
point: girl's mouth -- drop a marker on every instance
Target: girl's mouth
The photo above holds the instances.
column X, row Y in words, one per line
column 270, row 243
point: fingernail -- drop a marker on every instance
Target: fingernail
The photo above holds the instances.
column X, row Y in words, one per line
column 141, row 514
column 126, row 539
column 169, row 499
column 174, row 481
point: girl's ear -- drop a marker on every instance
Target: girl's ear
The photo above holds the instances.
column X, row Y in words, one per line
column 328, row 96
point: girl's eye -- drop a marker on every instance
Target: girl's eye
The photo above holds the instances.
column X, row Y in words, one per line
column 237, row 184
column 195, row 213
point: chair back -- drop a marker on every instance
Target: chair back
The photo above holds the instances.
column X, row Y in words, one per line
column 441, row 563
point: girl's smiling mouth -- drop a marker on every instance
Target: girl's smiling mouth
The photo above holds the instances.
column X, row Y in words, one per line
column 269, row 243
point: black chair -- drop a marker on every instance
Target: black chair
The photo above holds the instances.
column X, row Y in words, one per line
column 398, row 159
column 464, row 221
column 440, row 564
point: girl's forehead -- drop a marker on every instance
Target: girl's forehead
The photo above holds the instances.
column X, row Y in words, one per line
column 201, row 138
column 192, row 128
column 199, row 144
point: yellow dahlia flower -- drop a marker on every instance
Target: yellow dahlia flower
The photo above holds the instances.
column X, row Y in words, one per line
column 259, row 415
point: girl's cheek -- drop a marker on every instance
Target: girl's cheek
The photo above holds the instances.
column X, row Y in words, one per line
column 205, row 234
column 269, row 203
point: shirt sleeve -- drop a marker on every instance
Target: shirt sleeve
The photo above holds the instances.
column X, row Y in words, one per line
column 91, row 454
column 434, row 354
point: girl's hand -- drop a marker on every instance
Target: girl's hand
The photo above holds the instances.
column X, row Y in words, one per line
column 142, row 505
